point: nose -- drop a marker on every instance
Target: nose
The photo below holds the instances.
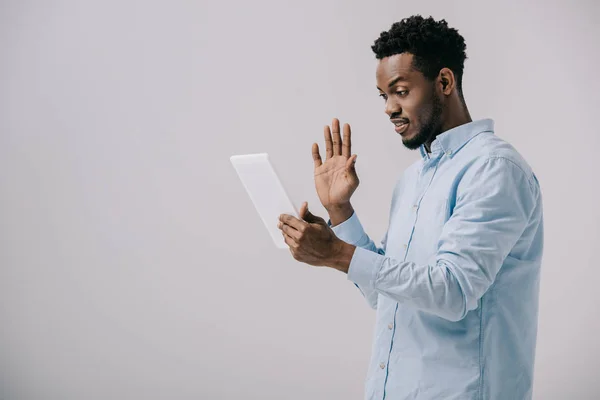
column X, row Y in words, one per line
column 391, row 107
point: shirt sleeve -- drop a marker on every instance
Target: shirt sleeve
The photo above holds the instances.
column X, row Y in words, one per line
column 495, row 202
column 352, row 232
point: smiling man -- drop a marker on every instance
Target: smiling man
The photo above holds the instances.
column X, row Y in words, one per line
column 455, row 279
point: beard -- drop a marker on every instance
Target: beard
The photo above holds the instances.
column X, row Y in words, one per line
column 429, row 124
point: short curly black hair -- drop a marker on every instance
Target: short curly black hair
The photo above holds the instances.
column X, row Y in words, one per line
column 432, row 43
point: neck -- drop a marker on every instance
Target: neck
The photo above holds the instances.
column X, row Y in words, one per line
column 456, row 115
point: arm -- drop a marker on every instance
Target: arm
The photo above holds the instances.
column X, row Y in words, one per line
column 494, row 204
column 352, row 232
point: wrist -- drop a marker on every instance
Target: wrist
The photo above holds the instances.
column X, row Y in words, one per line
column 342, row 256
column 339, row 213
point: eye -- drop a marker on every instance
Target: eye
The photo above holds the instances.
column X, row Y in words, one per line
column 383, row 95
column 402, row 92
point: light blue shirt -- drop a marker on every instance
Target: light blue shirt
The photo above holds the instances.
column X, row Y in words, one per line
column 455, row 280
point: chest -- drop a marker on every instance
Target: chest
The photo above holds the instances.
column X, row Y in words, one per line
column 422, row 205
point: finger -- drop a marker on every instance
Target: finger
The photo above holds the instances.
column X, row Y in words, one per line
column 310, row 217
column 328, row 144
column 316, row 155
column 291, row 232
column 303, row 209
column 337, row 139
column 347, row 144
column 306, row 215
column 351, row 161
column 292, row 221
column 289, row 241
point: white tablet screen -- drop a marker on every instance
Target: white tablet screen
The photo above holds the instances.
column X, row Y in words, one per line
column 266, row 192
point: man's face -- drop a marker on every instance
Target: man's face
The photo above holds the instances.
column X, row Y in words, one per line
column 411, row 100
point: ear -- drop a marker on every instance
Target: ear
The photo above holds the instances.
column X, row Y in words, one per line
column 446, row 81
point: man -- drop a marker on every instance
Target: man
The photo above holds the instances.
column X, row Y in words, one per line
column 455, row 281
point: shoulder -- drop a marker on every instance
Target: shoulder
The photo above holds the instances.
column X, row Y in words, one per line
column 494, row 155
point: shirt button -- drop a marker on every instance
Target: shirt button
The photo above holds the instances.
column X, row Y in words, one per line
column 382, row 365
column 415, row 207
column 390, row 326
column 449, row 152
column 405, row 246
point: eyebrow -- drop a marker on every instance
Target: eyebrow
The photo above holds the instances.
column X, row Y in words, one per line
column 396, row 80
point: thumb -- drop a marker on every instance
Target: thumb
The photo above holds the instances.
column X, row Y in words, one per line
column 351, row 161
column 303, row 212
column 307, row 215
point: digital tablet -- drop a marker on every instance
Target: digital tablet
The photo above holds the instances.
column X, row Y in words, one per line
column 265, row 191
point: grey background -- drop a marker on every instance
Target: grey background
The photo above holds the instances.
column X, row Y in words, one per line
column 132, row 263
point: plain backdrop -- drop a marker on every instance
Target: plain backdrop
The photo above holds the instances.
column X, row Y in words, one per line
column 134, row 266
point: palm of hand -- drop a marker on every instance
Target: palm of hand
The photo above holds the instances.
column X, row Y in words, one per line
column 335, row 178
column 334, row 182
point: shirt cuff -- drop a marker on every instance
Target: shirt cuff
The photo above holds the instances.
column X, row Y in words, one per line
column 350, row 231
column 364, row 267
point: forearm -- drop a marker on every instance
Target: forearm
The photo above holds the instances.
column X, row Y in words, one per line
column 351, row 232
column 441, row 288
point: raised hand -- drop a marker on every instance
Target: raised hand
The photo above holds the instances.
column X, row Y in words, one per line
column 336, row 178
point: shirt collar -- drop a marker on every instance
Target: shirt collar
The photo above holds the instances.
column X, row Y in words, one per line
column 452, row 140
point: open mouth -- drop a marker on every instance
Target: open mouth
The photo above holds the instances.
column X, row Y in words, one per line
column 400, row 126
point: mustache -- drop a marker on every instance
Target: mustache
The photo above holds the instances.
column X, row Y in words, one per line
column 397, row 116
